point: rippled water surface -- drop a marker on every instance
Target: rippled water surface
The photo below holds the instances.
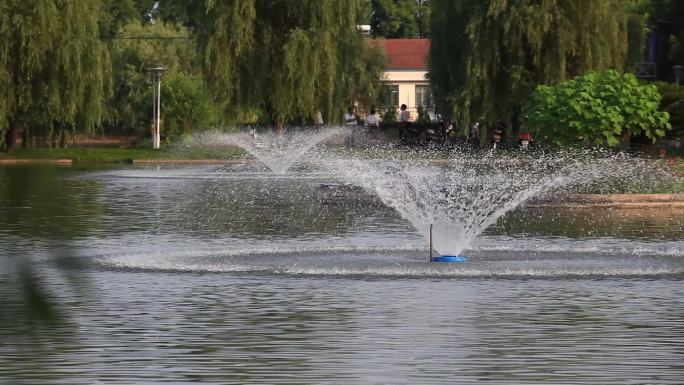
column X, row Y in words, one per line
column 231, row 275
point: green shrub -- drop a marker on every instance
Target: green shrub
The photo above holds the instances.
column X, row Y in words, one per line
column 390, row 115
column 671, row 95
column 169, row 46
column 596, row 109
column 423, row 116
column 187, row 106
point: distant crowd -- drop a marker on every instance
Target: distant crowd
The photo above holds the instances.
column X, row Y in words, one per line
column 440, row 131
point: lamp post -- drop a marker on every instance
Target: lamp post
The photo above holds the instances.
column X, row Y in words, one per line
column 678, row 72
column 156, row 74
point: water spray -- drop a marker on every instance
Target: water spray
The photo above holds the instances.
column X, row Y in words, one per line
column 275, row 150
column 430, row 242
column 445, row 258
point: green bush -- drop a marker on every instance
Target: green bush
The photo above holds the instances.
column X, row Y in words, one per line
column 596, row 109
column 390, row 115
column 187, row 106
column 671, row 94
column 168, row 46
column 423, row 116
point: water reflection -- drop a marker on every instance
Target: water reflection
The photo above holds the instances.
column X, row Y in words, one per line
column 215, row 328
column 150, row 325
column 632, row 223
column 42, row 203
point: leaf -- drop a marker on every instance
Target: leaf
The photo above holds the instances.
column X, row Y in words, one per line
column 612, row 141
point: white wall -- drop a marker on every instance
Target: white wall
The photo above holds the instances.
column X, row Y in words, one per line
column 407, row 81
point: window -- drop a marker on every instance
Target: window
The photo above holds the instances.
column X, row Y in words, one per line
column 391, row 95
column 423, row 98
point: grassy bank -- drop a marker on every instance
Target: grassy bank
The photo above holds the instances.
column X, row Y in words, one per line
column 104, row 154
column 121, row 155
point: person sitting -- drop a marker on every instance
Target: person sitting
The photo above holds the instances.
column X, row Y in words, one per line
column 372, row 120
column 350, row 118
column 525, row 140
column 498, row 134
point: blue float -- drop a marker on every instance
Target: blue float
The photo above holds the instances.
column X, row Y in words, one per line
column 450, row 258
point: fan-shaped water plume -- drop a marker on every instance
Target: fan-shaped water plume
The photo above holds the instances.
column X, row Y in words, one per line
column 467, row 193
column 278, row 151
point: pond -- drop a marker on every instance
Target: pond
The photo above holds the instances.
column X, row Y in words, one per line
column 211, row 274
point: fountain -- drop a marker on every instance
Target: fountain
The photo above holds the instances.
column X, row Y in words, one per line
column 453, row 201
column 183, row 272
column 237, row 278
column 378, row 209
column 277, row 151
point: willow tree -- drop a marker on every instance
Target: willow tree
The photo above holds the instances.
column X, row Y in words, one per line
column 138, row 47
column 487, row 56
column 399, row 18
column 285, row 60
column 54, row 71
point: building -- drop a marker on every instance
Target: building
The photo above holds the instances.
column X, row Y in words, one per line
column 405, row 78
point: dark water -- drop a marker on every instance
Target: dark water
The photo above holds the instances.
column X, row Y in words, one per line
column 183, row 275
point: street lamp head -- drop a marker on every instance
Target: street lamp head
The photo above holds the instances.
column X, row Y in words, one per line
column 678, row 70
column 156, row 73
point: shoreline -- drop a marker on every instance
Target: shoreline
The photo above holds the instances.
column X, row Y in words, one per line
column 572, row 201
column 35, row 161
column 69, row 162
column 621, row 201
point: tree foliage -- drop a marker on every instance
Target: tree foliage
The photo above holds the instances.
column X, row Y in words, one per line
column 54, row 70
column 400, row 18
column 672, row 102
column 487, row 56
column 637, row 31
column 597, row 108
column 284, row 60
column 187, row 106
column 667, row 20
column 663, row 19
column 117, row 14
column 137, row 48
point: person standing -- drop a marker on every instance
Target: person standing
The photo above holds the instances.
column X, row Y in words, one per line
column 350, row 122
column 404, row 116
column 474, row 135
column 404, row 124
column 373, row 124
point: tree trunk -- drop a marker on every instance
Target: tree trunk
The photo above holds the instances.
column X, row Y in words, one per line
column 280, row 126
column 52, row 137
column 62, row 138
column 24, row 137
column 10, row 138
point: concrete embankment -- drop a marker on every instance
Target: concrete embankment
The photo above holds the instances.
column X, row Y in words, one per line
column 623, row 201
column 35, row 161
column 180, row 161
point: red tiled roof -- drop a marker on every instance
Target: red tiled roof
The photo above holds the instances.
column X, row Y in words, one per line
column 405, row 54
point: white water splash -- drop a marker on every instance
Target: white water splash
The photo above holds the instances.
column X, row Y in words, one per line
column 277, row 151
column 466, row 194
column 538, row 257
